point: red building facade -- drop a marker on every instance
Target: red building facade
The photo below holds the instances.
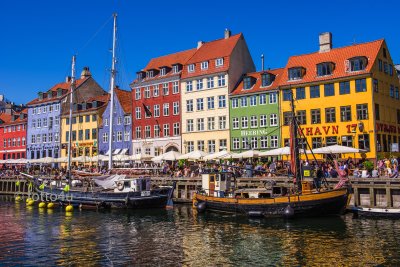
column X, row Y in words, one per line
column 156, row 110
column 13, row 135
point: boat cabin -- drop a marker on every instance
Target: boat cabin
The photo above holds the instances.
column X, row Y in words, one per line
column 217, row 184
column 139, row 184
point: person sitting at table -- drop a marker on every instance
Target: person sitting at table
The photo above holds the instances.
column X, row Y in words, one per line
column 395, row 173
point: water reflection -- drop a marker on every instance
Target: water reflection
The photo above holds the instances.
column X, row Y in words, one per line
column 180, row 237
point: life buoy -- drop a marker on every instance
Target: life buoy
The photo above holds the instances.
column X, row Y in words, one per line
column 120, row 186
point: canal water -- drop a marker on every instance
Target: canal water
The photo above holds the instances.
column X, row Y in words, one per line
column 178, row 237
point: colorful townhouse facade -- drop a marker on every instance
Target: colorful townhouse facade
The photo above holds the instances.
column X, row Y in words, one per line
column 347, row 96
column 254, row 112
column 13, row 135
column 122, row 125
column 207, row 79
column 156, row 105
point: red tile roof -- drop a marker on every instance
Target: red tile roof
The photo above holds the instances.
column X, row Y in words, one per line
column 209, row 51
column 338, row 56
column 5, row 118
column 125, row 99
column 257, row 86
column 63, row 85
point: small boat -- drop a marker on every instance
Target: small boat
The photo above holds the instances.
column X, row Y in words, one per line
column 85, row 174
column 219, row 194
column 390, row 213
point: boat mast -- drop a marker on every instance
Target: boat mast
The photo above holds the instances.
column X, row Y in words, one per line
column 112, row 84
column 71, row 102
column 296, row 168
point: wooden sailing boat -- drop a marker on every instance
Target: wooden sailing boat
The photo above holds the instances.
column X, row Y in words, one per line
column 218, row 193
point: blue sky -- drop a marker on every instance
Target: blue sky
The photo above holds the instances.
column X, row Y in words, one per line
column 40, row 37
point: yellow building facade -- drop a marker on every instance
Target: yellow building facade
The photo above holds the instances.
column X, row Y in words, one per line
column 346, row 96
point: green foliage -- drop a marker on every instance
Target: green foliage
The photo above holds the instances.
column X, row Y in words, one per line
column 368, row 165
column 181, row 163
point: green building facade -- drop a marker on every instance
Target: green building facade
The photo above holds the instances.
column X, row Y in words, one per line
column 254, row 112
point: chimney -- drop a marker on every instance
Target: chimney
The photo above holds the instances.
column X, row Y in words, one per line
column 67, row 79
column 227, row 33
column 325, row 42
column 199, row 44
column 85, row 73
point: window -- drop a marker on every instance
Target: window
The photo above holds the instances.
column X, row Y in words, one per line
column 147, row 92
column 156, row 90
column 165, row 89
column 247, row 83
column 295, row 73
column 191, row 68
column 150, row 74
column 390, row 69
column 331, row 140
column 105, row 137
column 363, row 141
column 219, row 62
column 325, row 68
column 329, row 89
column 44, row 139
column 396, row 93
column 39, row 123
column 200, row 124
column 316, row 142
column 189, row 125
column 287, row 95
column 175, row 69
column 253, row 100
column 127, row 120
column 375, row 86
column 44, row 109
column 199, row 84
column 162, row 72
column 56, row 137
column 253, row 121
column 147, row 131
column 190, row 146
column 210, row 82
column 235, row 123
column 391, row 91
column 166, row 109
column 235, row 102
column 347, row 140
column 211, row 123
column 235, row 143
column 267, row 79
column 245, row 123
column 243, row 101
column 138, row 112
column 377, row 114
column 245, row 143
column 254, row 142
column 175, row 108
column 263, row 120
column 156, row 110
column 385, row 68
column 273, row 119
column 87, row 134
column 200, row 104
column 176, row 129
column 380, row 64
column 262, row 99
column 137, row 93
column 189, row 86
column 345, row 113
column 344, row 88
column 126, row 136
column 94, row 134
column 274, row 141
column 221, row 101
column 119, row 122
column 204, row 65
column 287, row 117
column 73, row 135
column 156, row 131
column 315, row 116
column 362, row 111
column 119, row 136
column 200, row 145
column 23, row 141
column 221, row 80
column 314, row 91
column 301, row 117
column 273, row 98
column 330, row 115
column 358, row 63
column 211, row 146
column 94, row 117
column 33, row 125
column 222, row 122
column 189, row 105
column 80, row 135
column 138, row 132
column 300, row 93
column 361, row 85
column 210, row 102
column 263, row 142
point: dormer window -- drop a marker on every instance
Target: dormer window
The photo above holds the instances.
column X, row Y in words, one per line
column 59, row 92
column 296, row 73
column 191, row 68
column 267, row 79
column 248, row 82
column 325, row 68
column 356, row 64
column 204, row 65
column 94, row 104
column 150, row 74
column 163, row 71
column 175, row 69
column 219, row 62
column 40, row 95
column 139, row 76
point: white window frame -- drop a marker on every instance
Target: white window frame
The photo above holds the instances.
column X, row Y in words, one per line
column 190, row 68
column 219, row 62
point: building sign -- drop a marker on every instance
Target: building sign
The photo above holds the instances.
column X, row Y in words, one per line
column 334, row 129
column 254, row 132
column 386, row 128
column 85, row 144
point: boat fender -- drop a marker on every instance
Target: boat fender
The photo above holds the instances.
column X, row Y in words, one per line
column 201, row 207
column 120, row 186
column 288, row 212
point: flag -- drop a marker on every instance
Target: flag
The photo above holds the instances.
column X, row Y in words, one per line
column 147, row 111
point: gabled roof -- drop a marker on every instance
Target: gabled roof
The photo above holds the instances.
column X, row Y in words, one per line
column 338, row 56
column 5, row 118
column 257, row 86
column 125, row 99
column 18, row 120
column 63, row 85
column 221, row 48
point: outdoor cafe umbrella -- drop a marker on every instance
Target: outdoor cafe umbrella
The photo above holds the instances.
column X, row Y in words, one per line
column 336, row 149
column 194, row 155
column 218, row 155
column 81, row 159
column 247, row 154
column 278, row 152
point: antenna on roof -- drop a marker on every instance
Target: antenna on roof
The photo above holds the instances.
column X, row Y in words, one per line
column 262, row 62
column 354, row 40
